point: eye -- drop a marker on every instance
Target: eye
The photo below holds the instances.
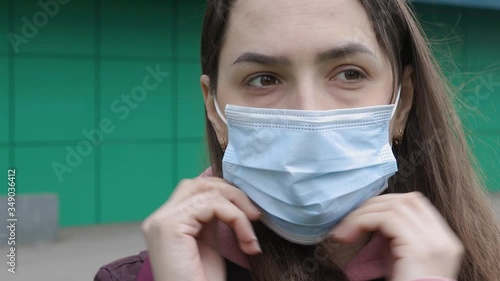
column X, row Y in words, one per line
column 349, row 75
column 264, row 81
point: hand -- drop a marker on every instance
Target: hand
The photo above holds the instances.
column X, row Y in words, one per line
column 421, row 242
column 181, row 235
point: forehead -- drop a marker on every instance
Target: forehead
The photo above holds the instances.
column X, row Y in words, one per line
column 298, row 26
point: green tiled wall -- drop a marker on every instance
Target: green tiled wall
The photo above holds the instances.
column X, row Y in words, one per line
column 134, row 178
column 4, row 159
column 94, row 62
column 137, row 29
column 88, row 69
column 4, row 46
column 467, row 44
column 52, row 98
column 149, row 115
column 190, row 105
column 484, row 67
column 4, row 100
column 191, row 161
column 34, row 174
column 189, row 21
column 57, row 36
column 487, row 151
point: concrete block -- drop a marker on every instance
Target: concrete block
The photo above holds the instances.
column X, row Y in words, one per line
column 37, row 218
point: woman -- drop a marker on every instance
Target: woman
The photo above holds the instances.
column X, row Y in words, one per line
column 312, row 107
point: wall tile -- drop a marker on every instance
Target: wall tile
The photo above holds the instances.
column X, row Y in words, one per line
column 189, row 25
column 192, row 159
column 4, row 100
column 54, row 99
column 481, row 95
column 482, row 87
column 487, row 150
column 4, row 165
column 136, row 180
column 482, row 38
column 131, row 29
column 446, row 27
column 190, row 104
column 56, row 28
column 4, row 27
column 143, row 115
column 66, row 171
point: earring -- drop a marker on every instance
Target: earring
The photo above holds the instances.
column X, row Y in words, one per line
column 222, row 144
column 399, row 139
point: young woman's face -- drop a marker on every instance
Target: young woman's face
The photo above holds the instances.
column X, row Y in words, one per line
column 308, row 55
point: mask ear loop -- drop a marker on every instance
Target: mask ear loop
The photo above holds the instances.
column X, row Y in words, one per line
column 218, row 110
column 396, row 103
column 398, row 140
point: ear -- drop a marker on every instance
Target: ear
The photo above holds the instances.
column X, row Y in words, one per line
column 405, row 104
column 217, row 123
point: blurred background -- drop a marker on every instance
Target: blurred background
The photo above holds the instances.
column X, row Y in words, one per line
column 101, row 115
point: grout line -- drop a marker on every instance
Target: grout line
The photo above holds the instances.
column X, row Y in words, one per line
column 97, row 112
column 174, row 93
column 146, row 141
column 457, row 5
column 35, row 55
column 11, row 88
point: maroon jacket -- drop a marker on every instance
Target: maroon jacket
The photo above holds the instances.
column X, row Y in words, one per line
column 128, row 269
column 125, row 269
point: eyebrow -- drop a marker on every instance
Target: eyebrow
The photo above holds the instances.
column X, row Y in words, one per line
column 262, row 59
column 344, row 51
column 335, row 53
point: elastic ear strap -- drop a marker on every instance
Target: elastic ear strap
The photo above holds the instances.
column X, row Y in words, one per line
column 397, row 102
column 218, row 110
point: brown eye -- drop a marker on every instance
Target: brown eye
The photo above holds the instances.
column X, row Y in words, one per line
column 264, row 81
column 349, row 75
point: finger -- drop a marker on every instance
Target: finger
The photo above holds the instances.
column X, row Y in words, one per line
column 404, row 205
column 423, row 211
column 395, row 209
column 392, row 197
column 212, row 188
column 430, row 212
column 436, row 221
column 389, row 223
column 188, row 187
column 414, row 209
column 222, row 209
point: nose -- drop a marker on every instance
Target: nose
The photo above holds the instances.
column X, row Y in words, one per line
column 309, row 94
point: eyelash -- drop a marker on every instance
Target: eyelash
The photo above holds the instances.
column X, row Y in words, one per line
column 362, row 76
column 252, row 78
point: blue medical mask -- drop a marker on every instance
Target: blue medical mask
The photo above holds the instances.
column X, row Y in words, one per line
column 307, row 170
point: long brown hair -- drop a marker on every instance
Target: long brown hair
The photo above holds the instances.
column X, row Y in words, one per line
column 433, row 158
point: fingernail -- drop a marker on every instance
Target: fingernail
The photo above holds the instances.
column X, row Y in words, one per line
column 256, row 244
